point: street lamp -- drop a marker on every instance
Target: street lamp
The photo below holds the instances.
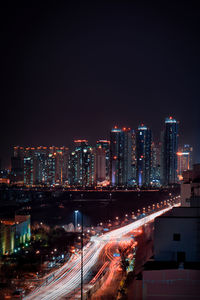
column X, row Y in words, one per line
column 81, row 246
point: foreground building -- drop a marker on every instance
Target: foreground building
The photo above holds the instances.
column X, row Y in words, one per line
column 175, row 271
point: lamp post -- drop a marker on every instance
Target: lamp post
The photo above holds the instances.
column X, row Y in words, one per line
column 81, row 247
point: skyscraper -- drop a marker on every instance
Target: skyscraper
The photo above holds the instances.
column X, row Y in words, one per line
column 143, row 154
column 61, row 155
column 100, row 164
column 40, row 157
column 115, row 156
column 133, row 158
column 184, row 157
column 188, row 148
column 155, row 164
column 106, row 146
column 28, row 171
column 17, row 165
column 169, row 152
column 82, row 165
column 120, row 157
column 39, row 165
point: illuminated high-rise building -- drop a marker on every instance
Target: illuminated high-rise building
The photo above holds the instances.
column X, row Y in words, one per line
column 18, row 152
column 28, row 170
column 73, row 168
column 120, row 157
column 115, row 149
column 40, row 165
column 61, row 155
column 17, row 170
column 133, row 158
column 40, row 157
column 184, row 156
column 105, row 145
column 82, row 165
column 169, row 152
column 188, row 148
column 155, row 164
column 17, row 165
column 50, row 169
column 143, row 154
column 100, row 164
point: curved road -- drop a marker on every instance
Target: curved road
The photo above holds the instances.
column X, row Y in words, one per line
column 67, row 278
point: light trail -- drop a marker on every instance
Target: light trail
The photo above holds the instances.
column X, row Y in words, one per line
column 68, row 278
column 118, row 233
column 99, row 272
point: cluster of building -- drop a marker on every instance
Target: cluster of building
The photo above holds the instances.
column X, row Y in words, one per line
column 14, row 233
column 39, row 165
column 129, row 158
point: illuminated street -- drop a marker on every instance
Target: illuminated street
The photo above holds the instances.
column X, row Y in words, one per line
column 67, row 278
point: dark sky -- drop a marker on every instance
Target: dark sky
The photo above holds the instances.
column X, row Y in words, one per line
column 75, row 70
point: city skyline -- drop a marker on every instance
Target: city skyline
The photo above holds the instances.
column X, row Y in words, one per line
column 156, row 138
column 129, row 159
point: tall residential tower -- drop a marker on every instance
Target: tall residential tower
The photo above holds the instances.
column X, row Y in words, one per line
column 143, row 154
column 120, row 157
column 169, row 152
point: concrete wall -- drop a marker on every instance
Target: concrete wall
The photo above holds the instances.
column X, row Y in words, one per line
column 171, row 284
column 185, row 194
column 165, row 248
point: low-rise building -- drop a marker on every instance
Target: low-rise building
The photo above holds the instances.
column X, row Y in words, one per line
column 14, row 233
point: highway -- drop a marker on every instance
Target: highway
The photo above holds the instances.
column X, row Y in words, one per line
column 67, row 278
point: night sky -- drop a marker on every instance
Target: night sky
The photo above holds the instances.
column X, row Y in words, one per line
column 74, row 70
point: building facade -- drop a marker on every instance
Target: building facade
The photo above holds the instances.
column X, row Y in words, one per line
column 121, row 157
column 100, row 164
column 40, row 165
column 14, row 233
column 184, row 157
column 105, row 144
column 143, row 154
column 169, row 152
column 155, row 164
column 82, row 165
